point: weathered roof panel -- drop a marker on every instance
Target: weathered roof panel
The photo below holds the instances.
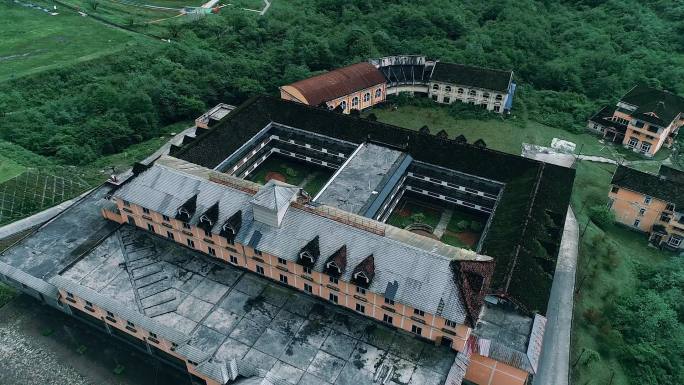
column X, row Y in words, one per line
column 339, row 82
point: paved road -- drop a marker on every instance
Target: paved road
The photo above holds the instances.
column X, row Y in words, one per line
column 555, row 356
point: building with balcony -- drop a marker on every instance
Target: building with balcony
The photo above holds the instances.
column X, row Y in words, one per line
column 644, row 120
column 650, row 203
column 238, row 282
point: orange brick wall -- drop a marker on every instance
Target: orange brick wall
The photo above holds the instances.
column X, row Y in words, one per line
column 486, row 371
column 626, row 205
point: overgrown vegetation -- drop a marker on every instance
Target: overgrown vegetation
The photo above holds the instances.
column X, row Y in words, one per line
column 569, row 56
column 567, row 59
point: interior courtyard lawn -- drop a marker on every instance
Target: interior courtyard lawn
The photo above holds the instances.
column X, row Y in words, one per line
column 310, row 177
column 464, row 229
column 32, row 41
column 412, row 210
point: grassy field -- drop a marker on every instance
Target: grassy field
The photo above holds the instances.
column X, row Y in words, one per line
column 32, row 40
column 500, row 134
column 600, row 281
column 9, row 168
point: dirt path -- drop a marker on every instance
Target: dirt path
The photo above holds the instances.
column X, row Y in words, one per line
column 443, row 222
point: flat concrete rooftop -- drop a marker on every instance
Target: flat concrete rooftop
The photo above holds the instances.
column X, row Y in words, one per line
column 363, row 175
column 64, row 239
column 231, row 313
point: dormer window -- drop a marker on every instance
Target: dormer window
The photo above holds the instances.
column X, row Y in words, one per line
column 364, row 272
column 333, row 265
column 204, row 219
column 360, row 275
column 228, row 229
column 183, row 213
column 305, row 255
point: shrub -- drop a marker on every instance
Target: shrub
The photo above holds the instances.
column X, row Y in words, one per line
column 462, row 225
column 418, row 218
column 476, row 226
column 602, row 216
column 290, row 172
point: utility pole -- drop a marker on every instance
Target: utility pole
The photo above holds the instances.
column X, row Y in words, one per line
column 579, row 357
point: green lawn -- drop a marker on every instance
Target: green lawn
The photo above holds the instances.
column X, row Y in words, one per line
column 600, row 281
column 9, row 168
column 32, row 41
column 173, row 3
column 314, row 185
column 293, row 172
column 407, row 209
column 500, row 134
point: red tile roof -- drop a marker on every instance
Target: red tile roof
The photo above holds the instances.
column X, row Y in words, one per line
column 340, row 82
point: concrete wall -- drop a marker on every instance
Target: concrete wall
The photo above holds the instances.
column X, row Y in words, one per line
column 486, row 371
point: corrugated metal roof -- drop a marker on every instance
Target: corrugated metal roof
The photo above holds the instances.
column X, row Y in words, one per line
column 24, row 278
column 108, row 304
column 340, row 82
column 275, row 195
column 424, row 278
column 193, row 353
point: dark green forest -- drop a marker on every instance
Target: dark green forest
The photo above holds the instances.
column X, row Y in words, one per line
column 569, row 58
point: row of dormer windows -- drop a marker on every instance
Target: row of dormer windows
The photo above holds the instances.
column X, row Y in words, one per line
column 260, row 269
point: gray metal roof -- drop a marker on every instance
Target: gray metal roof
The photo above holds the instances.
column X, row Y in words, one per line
column 121, row 310
column 274, row 195
column 24, row 278
column 193, row 353
column 423, row 276
column 164, row 190
column 360, row 178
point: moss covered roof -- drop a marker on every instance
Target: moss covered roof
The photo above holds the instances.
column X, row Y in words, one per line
column 534, row 191
column 666, row 186
column 472, row 76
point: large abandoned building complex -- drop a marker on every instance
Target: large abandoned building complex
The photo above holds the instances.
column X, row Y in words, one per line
column 650, row 203
column 238, row 282
column 644, row 120
column 364, row 85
